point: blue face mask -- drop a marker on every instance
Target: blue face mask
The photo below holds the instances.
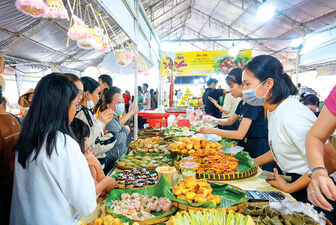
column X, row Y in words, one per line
column 120, row 108
column 251, row 98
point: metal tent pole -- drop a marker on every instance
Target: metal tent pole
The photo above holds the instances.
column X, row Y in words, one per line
column 136, row 72
column 297, row 66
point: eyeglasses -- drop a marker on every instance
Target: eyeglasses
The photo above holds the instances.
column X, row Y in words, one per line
column 81, row 93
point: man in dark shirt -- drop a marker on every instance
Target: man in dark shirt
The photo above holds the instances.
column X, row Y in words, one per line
column 214, row 93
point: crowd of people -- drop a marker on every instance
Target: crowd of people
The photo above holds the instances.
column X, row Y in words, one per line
column 282, row 134
column 56, row 162
column 74, row 129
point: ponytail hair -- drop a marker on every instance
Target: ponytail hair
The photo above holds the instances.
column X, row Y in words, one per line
column 291, row 86
column 100, row 102
column 234, row 76
column 106, row 98
column 81, row 131
column 309, row 99
column 266, row 66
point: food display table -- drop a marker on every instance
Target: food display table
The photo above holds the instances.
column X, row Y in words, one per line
column 174, row 150
column 251, row 183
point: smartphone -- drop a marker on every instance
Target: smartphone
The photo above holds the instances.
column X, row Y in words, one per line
column 270, row 176
column 265, row 196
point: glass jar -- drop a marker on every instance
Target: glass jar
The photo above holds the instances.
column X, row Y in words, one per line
column 188, row 167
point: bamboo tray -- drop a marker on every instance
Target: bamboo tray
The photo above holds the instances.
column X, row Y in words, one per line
column 191, row 208
column 164, row 219
column 129, row 168
column 223, row 177
column 231, row 176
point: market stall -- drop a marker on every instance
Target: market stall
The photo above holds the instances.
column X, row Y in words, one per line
column 175, row 175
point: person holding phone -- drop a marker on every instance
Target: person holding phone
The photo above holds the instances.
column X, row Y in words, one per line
column 212, row 92
column 251, row 125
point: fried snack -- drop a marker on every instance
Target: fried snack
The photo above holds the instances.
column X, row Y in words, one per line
column 214, row 161
column 191, row 145
column 177, row 190
column 195, row 191
column 107, row 220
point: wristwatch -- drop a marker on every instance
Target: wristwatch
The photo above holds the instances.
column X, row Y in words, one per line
column 311, row 171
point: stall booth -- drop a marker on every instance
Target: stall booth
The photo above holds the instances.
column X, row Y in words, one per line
column 172, row 174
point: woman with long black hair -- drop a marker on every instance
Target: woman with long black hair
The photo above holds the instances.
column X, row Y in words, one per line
column 98, row 141
column 52, row 180
column 289, row 121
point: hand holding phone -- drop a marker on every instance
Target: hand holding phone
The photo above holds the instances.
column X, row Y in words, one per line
column 270, row 176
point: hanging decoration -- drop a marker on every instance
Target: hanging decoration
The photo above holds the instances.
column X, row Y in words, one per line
column 89, row 42
column 78, row 31
column 124, row 57
column 34, row 8
column 105, row 48
column 98, row 38
column 55, row 9
column 2, row 64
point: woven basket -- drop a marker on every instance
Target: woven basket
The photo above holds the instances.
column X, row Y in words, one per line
column 126, row 168
column 191, row 208
column 153, row 221
column 222, row 177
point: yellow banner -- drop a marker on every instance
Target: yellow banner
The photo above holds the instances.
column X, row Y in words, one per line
column 203, row 63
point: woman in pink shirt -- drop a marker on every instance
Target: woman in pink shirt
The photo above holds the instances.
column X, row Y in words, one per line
column 321, row 185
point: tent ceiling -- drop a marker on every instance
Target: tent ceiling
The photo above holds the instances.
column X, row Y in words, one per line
column 189, row 19
column 24, row 39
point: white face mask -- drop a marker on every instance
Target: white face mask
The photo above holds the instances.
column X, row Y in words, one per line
column 89, row 103
column 251, row 98
column 119, row 109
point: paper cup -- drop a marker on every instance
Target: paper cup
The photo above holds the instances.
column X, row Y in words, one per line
column 168, row 172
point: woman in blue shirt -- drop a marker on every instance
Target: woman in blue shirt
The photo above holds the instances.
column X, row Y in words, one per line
column 252, row 132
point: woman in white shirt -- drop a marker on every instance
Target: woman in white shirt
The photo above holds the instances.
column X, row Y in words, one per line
column 52, row 180
column 289, row 121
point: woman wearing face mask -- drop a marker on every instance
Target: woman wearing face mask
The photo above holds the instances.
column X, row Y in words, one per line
column 289, row 121
column 250, row 121
column 113, row 100
column 98, row 141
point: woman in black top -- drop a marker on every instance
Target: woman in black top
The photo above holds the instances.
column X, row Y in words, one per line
column 252, row 132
